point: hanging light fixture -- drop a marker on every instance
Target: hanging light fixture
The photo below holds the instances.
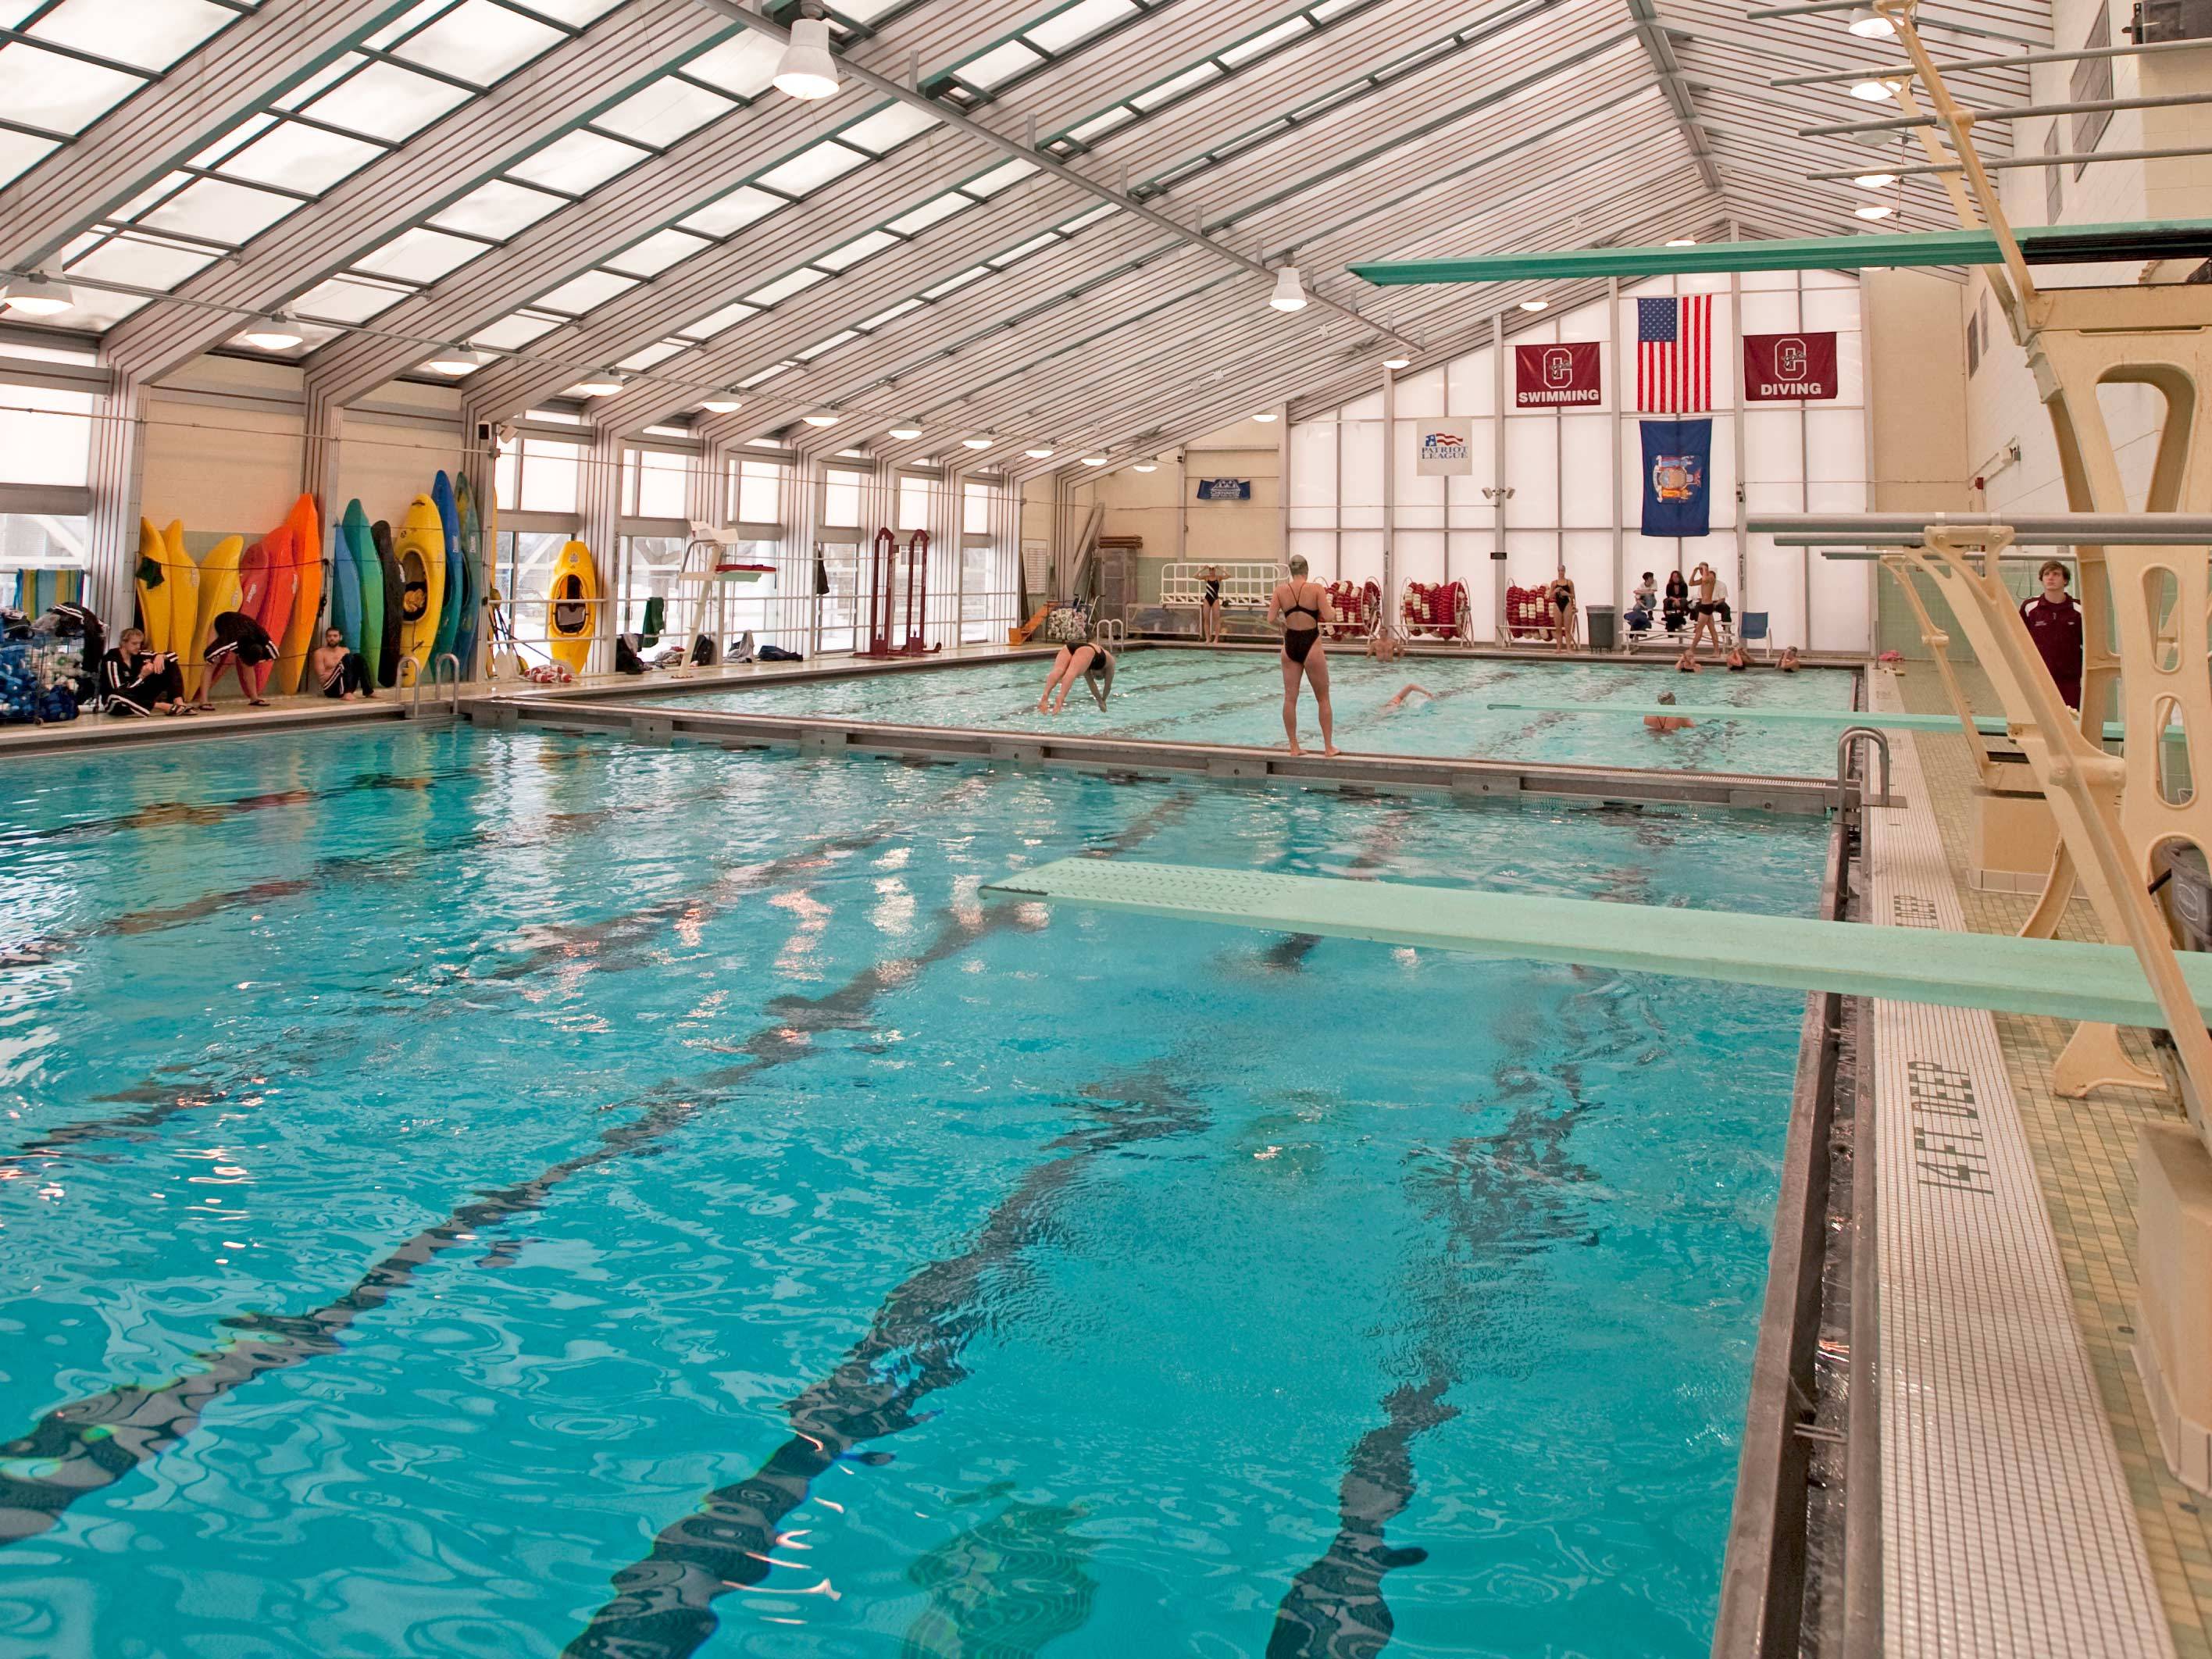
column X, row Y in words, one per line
column 1094, row 460
column 982, row 440
column 1681, row 241
column 820, row 418
column 722, row 403
column 1400, row 361
column 807, row 71
column 1875, row 180
column 1873, row 210
column 1039, row 452
column 275, row 333
column 905, row 431
column 1870, row 25
column 36, row 296
column 1536, row 304
column 604, row 384
column 1289, row 295
column 1150, row 464
column 1872, row 91
column 1265, row 414
column 457, row 360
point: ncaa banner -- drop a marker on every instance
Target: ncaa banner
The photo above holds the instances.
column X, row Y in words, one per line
column 1783, row 367
column 1556, row 376
column 1445, row 454
column 1678, row 458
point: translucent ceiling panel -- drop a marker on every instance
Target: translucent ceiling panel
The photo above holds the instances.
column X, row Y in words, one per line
column 496, row 209
column 998, row 178
column 579, row 294
column 61, row 95
column 1078, row 22
column 867, row 324
column 142, row 262
column 478, row 41
column 784, row 287
column 664, row 111
column 577, row 163
column 19, row 150
column 386, row 101
column 1098, row 125
column 574, row 13
column 219, row 211
column 960, row 279
column 890, row 126
column 513, row 333
column 296, row 156
column 716, row 321
column 656, row 252
column 343, row 300
column 658, row 352
column 1000, row 63
column 937, row 208
column 733, row 212
column 1167, row 91
column 744, row 65
column 859, row 248
column 1264, row 42
column 420, row 255
column 811, row 168
column 149, row 34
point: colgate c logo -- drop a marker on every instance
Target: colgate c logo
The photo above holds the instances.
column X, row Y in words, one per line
column 1793, row 359
column 1559, row 368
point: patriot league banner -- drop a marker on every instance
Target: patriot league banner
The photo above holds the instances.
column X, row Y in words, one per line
column 1444, row 454
column 1555, row 376
column 1677, row 466
column 1781, row 368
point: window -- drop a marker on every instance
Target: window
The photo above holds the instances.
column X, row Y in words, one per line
column 1974, row 344
column 2092, row 80
column 45, row 436
column 757, row 493
column 653, row 484
column 538, row 475
column 976, row 510
column 651, row 563
column 840, row 499
column 913, row 503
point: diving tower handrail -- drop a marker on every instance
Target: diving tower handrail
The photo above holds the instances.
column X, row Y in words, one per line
column 2063, row 978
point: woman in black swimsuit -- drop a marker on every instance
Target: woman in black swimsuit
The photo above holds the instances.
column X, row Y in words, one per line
column 1209, row 610
column 1563, row 611
column 1303, row 656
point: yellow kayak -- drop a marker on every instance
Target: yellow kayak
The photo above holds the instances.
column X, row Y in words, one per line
column 572, row 619
column 221, row 589
column 183, row 586
column 418, row 542
column 153, row 589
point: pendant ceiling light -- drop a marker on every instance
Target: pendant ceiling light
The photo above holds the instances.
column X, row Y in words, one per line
column 272, row 334
column 36, row 296
column 722, row 403
column 461, row 360
column 806, row 69
column 1289, row 295
column 820, row 418
column 905, row 431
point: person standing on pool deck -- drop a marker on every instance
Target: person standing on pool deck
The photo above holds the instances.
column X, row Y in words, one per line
column 1209, row 610
column 1710, row 605
column 1303, row 655
column 2054, row 623
column 1563, row 611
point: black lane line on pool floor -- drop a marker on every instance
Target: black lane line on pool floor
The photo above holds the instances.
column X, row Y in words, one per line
column 92, row 1442
column 662, row 1606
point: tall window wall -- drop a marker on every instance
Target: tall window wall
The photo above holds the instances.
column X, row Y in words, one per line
column 1574, row 475
column 46, row 458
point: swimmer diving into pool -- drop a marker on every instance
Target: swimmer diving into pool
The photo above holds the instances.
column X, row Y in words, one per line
column 1090, row 662
column 1303, row 656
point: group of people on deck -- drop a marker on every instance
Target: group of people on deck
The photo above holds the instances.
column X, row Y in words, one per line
column 136, row 681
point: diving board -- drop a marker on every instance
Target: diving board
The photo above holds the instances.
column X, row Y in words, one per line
column 1840, row 719
column 2061, row 978
column 2171, row 239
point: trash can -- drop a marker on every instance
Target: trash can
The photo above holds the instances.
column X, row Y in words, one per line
column 1601, row 618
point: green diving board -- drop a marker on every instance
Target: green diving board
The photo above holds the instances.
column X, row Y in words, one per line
column 2170, row 239
column 2061, row 978
column 1838, row 720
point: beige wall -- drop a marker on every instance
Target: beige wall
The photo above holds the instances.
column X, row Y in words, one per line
column 1915, row 391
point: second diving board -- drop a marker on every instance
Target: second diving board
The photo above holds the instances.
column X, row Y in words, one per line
column 2061, row 978
column 1836, row 720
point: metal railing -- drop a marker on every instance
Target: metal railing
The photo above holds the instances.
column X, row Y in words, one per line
column 1852, row 793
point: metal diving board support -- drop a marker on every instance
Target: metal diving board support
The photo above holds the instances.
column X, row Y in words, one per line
column 2063, row 978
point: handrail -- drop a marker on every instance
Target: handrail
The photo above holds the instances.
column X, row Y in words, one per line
column 454, row 704
column 1849, row 794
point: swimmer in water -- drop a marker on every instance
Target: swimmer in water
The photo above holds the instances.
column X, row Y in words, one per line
column 1663, row 724
column 1399, row 701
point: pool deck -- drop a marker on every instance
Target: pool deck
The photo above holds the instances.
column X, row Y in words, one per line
column 2081, row 1156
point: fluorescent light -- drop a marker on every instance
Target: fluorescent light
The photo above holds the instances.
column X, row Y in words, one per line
column 1039, row 453
column 1534, row 305
column 1094, row 460
column 1873, row 210
column 1289, row 295
column 604, row 384
column 272, row 334
column 982, row 441
column 1682, row 241
column 1871, row 25
column 905, row 431
column 807, row 71
column 820, row 418
column 1872, row 91
column 36, row 296
column 1397, row 363
column 1265, row 414
column 1148, row 465
column 1875, row 180
column 461, row 360
column 722, row 403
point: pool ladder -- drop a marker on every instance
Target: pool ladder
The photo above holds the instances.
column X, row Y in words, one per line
column 1850, row 792
column 435, row 678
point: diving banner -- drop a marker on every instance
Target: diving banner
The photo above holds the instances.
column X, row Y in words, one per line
column 1783, row 367
column 1556, row 376
column 1677, row 461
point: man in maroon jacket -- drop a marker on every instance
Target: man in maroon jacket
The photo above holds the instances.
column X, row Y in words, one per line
column 2054, row 623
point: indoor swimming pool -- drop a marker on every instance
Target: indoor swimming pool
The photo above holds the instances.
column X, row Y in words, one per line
column 476, row 1194
column 1236, row 698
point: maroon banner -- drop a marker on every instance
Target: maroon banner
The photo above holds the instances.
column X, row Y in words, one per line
column 1783, row 367
column 1555, row 376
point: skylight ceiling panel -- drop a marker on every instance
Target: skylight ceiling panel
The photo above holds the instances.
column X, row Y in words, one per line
column 864, row 11
column 513, row 332
column 830, row 344
column 714, row 322
column 743, row 65
column 958, row 280
column 18, row 152
column 574, row 13
column 413, row 18
column 848, row 254
column 217, row 210
column 1258, row 46
column 149, row 34
column 420, row 255
column 344, row 299
column 656, row 252
column 319, row 83
column 1023, row 251
column 577, row 163
column 1100, row 124
column 294, row 156
column 869, row 325
column 47, row 90
column 811, row 168
column 999, row 65
column 1002, row 177
column 583, row 292
column 141, row 262
column 664, row 110
column 734, row 211
column 765, row 375
column 1168, row 91
column 1078, row 23
column 654, row 355
column 888, row 127
column 932, row 211
column 479, row 42
column 496, row 209
column 784, row 287
column 386, row 101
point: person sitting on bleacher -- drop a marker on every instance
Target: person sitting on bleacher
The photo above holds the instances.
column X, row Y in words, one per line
column 1642, row 603
column 1676, row 607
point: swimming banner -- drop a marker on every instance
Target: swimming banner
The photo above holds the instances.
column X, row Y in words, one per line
column 1556, row 376
column 1677, row 462
column 1780, row 368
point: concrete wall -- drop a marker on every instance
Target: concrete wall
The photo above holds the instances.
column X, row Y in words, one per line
column 1162, row 507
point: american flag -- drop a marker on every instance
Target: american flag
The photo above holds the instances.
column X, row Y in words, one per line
column 1674, row 355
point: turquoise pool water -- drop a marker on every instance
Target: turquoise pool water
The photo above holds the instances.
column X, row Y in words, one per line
column 478, row 1195
column 1236, row 698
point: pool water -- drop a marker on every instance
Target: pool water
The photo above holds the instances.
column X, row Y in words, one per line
column 465, row 1194
column 1236, row 698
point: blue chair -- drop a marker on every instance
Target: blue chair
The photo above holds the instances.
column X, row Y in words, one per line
column 1755, row 631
